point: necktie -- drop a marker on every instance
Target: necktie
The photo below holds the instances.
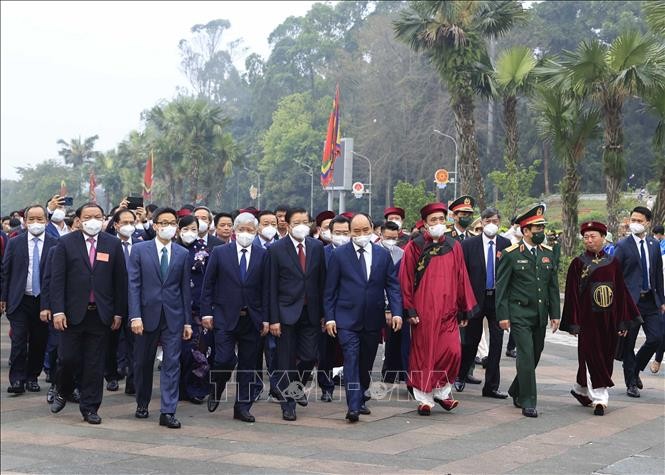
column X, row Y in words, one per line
column 91, row 255
column 489, row 279
column 461, row 237
column 243, row 265
column 301, row 257
column 36, row 289
column 533, row 251
column 164, row 264
column 125, row 249
column 363, row 264
column 643, row 262
column 202, row 243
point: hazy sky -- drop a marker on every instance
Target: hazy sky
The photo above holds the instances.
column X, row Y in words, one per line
column 85, row 68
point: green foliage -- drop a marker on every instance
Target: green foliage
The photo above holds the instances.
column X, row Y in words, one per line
column 515, row 183
column 411, row 197
column 36, row 185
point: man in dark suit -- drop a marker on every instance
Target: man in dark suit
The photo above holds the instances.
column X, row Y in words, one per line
column 359, row 275
column 23, row 264
column 642, row 264
column 88, row 295
column 481, row 254
column 160, row 303
column 204, row 217
column 296, row 272
column 232, row 306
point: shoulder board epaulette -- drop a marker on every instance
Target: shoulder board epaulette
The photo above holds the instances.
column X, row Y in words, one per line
column 545, row 246
column 511, row 248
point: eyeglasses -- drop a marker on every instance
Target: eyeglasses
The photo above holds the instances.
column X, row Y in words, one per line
column 167, row 223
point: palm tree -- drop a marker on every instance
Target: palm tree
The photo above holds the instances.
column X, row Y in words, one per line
column 452, row 34
column 78, row 154
column 633, row 64
column 656, row 104
column 654, row 14
column 566, row 123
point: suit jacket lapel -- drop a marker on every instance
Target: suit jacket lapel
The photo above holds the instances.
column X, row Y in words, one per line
column 308, row 256
column 174, row 255
column 292, row 252
column 353, row 256
column 375, row 262
column 252, row 261
column 83, row 247
column 155, row 261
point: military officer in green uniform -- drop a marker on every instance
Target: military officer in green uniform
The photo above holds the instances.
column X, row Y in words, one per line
column 527, row 293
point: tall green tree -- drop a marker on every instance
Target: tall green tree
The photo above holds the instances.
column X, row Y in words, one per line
column 452, row 34
column 633, row 64
column 79, row 154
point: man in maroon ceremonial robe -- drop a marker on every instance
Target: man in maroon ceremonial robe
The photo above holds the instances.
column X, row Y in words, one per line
column 435, row 288
column 598, row 309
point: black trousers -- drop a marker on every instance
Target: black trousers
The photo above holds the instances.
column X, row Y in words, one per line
column 29, row 338
column 297, row 350
column 82, row 353
column 474, row 332
column 633, row 362
column 326, row 363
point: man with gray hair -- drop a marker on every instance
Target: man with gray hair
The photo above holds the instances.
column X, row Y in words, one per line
column 232, row 307
column 204, row 216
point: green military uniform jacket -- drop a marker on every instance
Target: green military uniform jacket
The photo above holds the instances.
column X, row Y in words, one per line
column 527, row 288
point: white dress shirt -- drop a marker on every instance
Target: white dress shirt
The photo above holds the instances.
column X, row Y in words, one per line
column 646, row 253
column 368, row 256
column 296, row 244
column 248, row 254
column 486, row 246
column 31, row 248
column 161, row 246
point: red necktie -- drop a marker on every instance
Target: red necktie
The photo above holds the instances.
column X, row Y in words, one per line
column 301, row 256
column 91, row 255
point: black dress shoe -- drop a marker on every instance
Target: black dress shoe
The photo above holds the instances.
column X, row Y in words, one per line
column 326, row 397
column 529, row 412
column 17, row 387
column 639, row 382
column 112, row 385
column 364, row 410
column 496, row 394
column 32, row 386
column 632, row 391
column 141, row 412
column 511, row 353
column 352, row 416
column 583, row 400
column 289, row 415
column 50, row 395
column 243, row 415
column 58, row 404
column 599, row 410
column 92, row 418
column 471, row 379
column 459, row 385
column 212, row 404
column 169, row 420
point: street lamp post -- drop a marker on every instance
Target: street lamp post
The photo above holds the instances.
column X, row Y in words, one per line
column 369, row 162
column 438, row 132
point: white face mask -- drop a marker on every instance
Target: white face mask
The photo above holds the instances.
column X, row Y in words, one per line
column 92, row 227
column 127, row 230
column 245, row 239
column 398, row 222
column 340, row 240
column 36, row 229
column 636, row 228
column 203, row 226
column 326, row 235
column 269, row 232
column 300, row 232
column 436, row 231
column 389, row 243
column 166, row 233
column 188, row 237
column 362, row 241
column 58, row 215
column 490, row 230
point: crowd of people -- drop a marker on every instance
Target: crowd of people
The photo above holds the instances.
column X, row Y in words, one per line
column 95, row 297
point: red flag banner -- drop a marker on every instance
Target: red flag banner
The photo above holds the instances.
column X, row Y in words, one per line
column 147, row 178
column 93, row 185
column 332, row 146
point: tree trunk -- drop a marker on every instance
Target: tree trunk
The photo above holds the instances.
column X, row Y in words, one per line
column 546, row 168
column 659, row 205
column 470, row 181
column 613, row 159
column 570, row 190
column 510, row 124
column 194, row 180
column 389, row 184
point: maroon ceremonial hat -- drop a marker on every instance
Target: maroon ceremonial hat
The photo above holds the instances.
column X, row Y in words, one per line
column 394, row 210
column 251, row 210
column 432, row 208
column 593, row 226
column 183, row 212
column 323, row 215
column 348, row 214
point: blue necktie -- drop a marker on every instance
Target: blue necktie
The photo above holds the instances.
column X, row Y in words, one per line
column 36, row 289
column 645, row 272
column 243, row 265
column 489, row 279
column 164, row 264
column 363, row 264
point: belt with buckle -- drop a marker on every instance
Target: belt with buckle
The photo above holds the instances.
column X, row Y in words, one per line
column 645, row 294
column 92, row 306
column 489, row 292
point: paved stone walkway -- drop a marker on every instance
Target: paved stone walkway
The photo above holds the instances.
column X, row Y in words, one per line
column 482, row 435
